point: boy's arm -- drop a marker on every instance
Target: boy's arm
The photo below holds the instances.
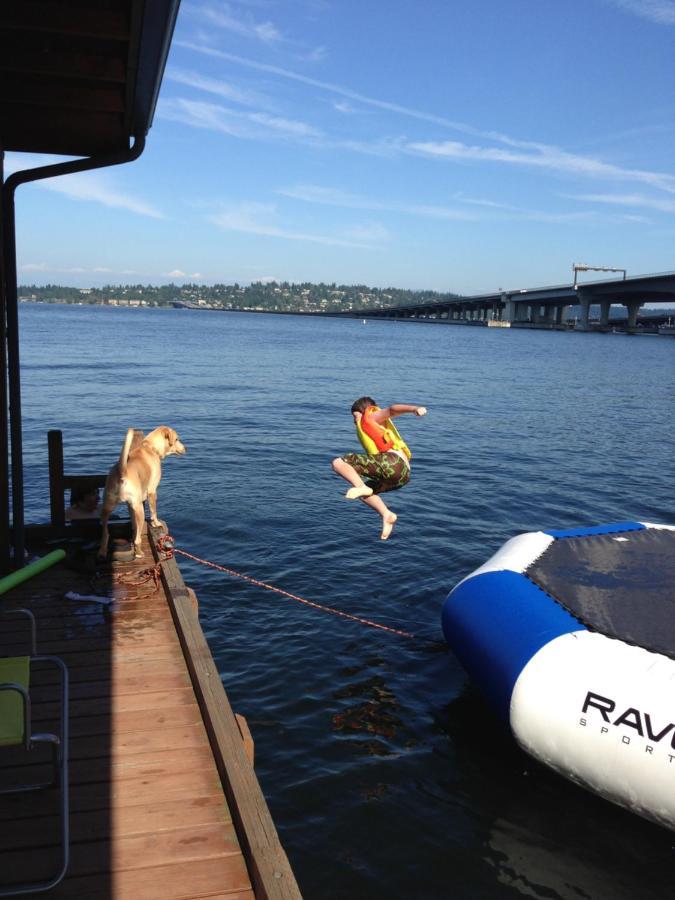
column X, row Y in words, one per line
column 398, row 409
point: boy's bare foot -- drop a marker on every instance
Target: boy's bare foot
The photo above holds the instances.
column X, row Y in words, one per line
column 355, row 492
column 388, row 523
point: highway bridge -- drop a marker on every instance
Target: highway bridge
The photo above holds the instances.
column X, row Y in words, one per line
column 547, row 307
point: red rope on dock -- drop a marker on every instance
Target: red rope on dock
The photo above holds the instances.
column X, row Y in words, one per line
column 271, row 587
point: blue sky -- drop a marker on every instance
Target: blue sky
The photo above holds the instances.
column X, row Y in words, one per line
column 456, row 146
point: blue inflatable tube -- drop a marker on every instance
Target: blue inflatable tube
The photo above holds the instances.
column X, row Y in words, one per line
column 571, row 637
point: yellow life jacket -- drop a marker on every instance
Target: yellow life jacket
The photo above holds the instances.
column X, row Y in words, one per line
column 376, row 438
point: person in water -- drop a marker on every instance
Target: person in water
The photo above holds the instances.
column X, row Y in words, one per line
column 385, row 465
column 84, row 503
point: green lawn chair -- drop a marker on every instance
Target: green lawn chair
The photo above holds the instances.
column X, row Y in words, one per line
column 16, row 731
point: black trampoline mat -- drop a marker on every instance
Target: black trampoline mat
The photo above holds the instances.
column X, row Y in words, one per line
column 621, row 584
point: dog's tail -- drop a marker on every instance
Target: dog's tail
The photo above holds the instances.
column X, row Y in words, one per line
column 124, row 453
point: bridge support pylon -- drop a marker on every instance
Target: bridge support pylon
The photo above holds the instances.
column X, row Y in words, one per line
column 585, row 305
column 633, row 307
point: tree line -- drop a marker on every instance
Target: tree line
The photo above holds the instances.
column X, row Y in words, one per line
column 272, row 295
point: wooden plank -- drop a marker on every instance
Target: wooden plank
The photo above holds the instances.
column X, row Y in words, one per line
column 71, row 481
column 134, row 642
column 208, row 847
column 271, row 873
column 159, row 643
column 62, row 18
column 79, row 528
column 129, row 766
column 119, row 745
column 145, row 787
column 172, row 679
column 88, row 619
column 67, row 132
column 105, row 823
column 171, row 882
column 135, row 720
column 138, row 851
column 123, row 658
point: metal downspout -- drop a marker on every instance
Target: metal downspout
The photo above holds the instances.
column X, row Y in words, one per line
column 12, row 312
column 4, row 421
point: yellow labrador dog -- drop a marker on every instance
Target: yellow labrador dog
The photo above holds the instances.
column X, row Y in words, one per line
column 134, row 479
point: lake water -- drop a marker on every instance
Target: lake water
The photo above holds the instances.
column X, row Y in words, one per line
column 386, row 775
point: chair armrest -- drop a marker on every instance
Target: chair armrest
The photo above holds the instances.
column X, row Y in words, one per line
column 31, row 618
column 14, row 724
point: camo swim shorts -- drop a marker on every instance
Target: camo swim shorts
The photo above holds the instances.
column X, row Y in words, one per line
column 382, row 472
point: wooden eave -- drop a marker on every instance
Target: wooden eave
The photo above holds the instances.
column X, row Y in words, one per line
column 80, row 77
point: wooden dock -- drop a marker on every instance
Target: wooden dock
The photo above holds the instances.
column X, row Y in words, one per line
column 164, row 800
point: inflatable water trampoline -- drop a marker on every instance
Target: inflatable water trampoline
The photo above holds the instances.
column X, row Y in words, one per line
column 571, row 636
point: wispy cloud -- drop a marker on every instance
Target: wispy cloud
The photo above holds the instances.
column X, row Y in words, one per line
column 519, row 152
column 223, row 16
column 491, row 209
column 95, row 187
column 344, row 107
column 660, row 11
column 367, row 233
column 72, row 270
column 243, row 23
column 219, row 88
column 664, row 126
column 86, row 186
column 289, row 126
column 317, row 54
column 635, row 200
column 310, row 193
column 542, row 156
column 327, row 86
column 247, row 125
column 263, row 219
column 509, row 211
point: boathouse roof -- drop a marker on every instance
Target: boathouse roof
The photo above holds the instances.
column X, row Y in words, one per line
column 80, row 77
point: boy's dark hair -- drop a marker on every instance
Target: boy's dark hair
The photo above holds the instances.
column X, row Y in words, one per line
column 81, row 491
column 362, row 404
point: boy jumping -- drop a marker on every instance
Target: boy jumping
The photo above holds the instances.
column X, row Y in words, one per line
column 386, row 463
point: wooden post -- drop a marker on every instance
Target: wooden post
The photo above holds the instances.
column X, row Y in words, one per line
column 56, row 502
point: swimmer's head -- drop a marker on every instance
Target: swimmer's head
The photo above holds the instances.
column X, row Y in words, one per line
column 85, row 497
column 362, row 404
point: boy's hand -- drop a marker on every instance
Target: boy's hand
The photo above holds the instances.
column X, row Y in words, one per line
column 421, row 411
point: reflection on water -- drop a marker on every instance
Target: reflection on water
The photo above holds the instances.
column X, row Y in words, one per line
column 386, row 774
column 371, row 712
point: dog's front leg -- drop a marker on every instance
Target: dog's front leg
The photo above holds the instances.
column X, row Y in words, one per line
column 152, row 503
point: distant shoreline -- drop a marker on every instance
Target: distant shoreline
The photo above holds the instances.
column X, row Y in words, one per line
column 617, row 325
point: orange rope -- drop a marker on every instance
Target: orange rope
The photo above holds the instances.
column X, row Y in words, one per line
column 138, row 579
column 270, row 587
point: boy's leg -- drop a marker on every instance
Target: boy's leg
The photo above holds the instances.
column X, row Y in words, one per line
column 388, row 517
column 359, row 487
column 391, row 473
